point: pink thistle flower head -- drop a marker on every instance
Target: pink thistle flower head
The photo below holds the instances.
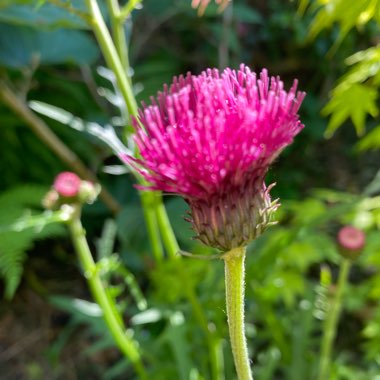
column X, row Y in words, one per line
column 211, row 138
column 67, row 184
column 351, row 242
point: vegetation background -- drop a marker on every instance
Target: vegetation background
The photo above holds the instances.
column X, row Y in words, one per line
column 49, row 326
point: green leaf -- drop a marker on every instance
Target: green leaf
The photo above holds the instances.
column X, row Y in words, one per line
column 350, row 102
column 247, row 14
column 365, row 64
column 175, row 335
column 347, row 13
column 370, row 141
column 14, row 244
column 21, row 46
column 374, row 186
column 45, row 16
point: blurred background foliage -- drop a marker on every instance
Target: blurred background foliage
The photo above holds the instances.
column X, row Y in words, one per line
column 49, row 327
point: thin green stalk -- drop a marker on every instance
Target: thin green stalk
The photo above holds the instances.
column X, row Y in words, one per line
column 111, row 56
column 127, row 9
column 113, row 59
column 118, row 33
column 331, row 322
column 149, row 204
column 234, row 276
column 114, row 321
column 166, row 229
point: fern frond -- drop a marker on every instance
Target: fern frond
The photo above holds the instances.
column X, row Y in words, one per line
column 14, row 244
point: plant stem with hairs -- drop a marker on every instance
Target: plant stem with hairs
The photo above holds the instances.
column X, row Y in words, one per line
column 111, row 55
column 114, row 62
column 234, row 277
column 331, row 322
column 127, row 345
column 118, row 33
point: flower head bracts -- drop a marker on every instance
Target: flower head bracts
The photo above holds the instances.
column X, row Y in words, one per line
column 209, row 133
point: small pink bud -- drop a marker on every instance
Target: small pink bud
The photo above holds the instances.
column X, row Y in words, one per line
column 351, row 241
column 67, row 184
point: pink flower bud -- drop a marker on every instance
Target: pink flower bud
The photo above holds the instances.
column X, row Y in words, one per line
column 351, row 241
column 67, row 184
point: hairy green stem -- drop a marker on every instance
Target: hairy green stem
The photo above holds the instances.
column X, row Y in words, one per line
column 331, row 322
column 234, row 276
column 112, row 318
column 118, row 33
column 168, row 237
column 111, row 56
column 149, row 203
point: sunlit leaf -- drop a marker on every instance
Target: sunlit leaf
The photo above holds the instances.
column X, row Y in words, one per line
column 351, row 102
column 370, row 140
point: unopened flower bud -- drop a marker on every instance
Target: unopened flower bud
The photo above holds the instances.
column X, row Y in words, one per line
column 88, row 192
column 69, row 189
column 351, row 242
column 67, row 184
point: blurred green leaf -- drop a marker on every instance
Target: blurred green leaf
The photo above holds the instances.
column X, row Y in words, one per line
column 247, row 14
column 175, row 335
column 370, row 141
column 351, row 101
column 23, row 46
column 347, row 13
column 17, row 207
column 374, row 186
column 45, row 16
column 365, row 64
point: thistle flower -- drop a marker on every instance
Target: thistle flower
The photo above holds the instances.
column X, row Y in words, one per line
column 211, row 138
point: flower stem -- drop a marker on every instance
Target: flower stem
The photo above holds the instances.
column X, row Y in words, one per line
column 331, row 322
column 111, row 56
column 149, row 203
column 118, row 33
column 234, row 272
column 115, row 57
column 168, row 237
column 113, row 320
